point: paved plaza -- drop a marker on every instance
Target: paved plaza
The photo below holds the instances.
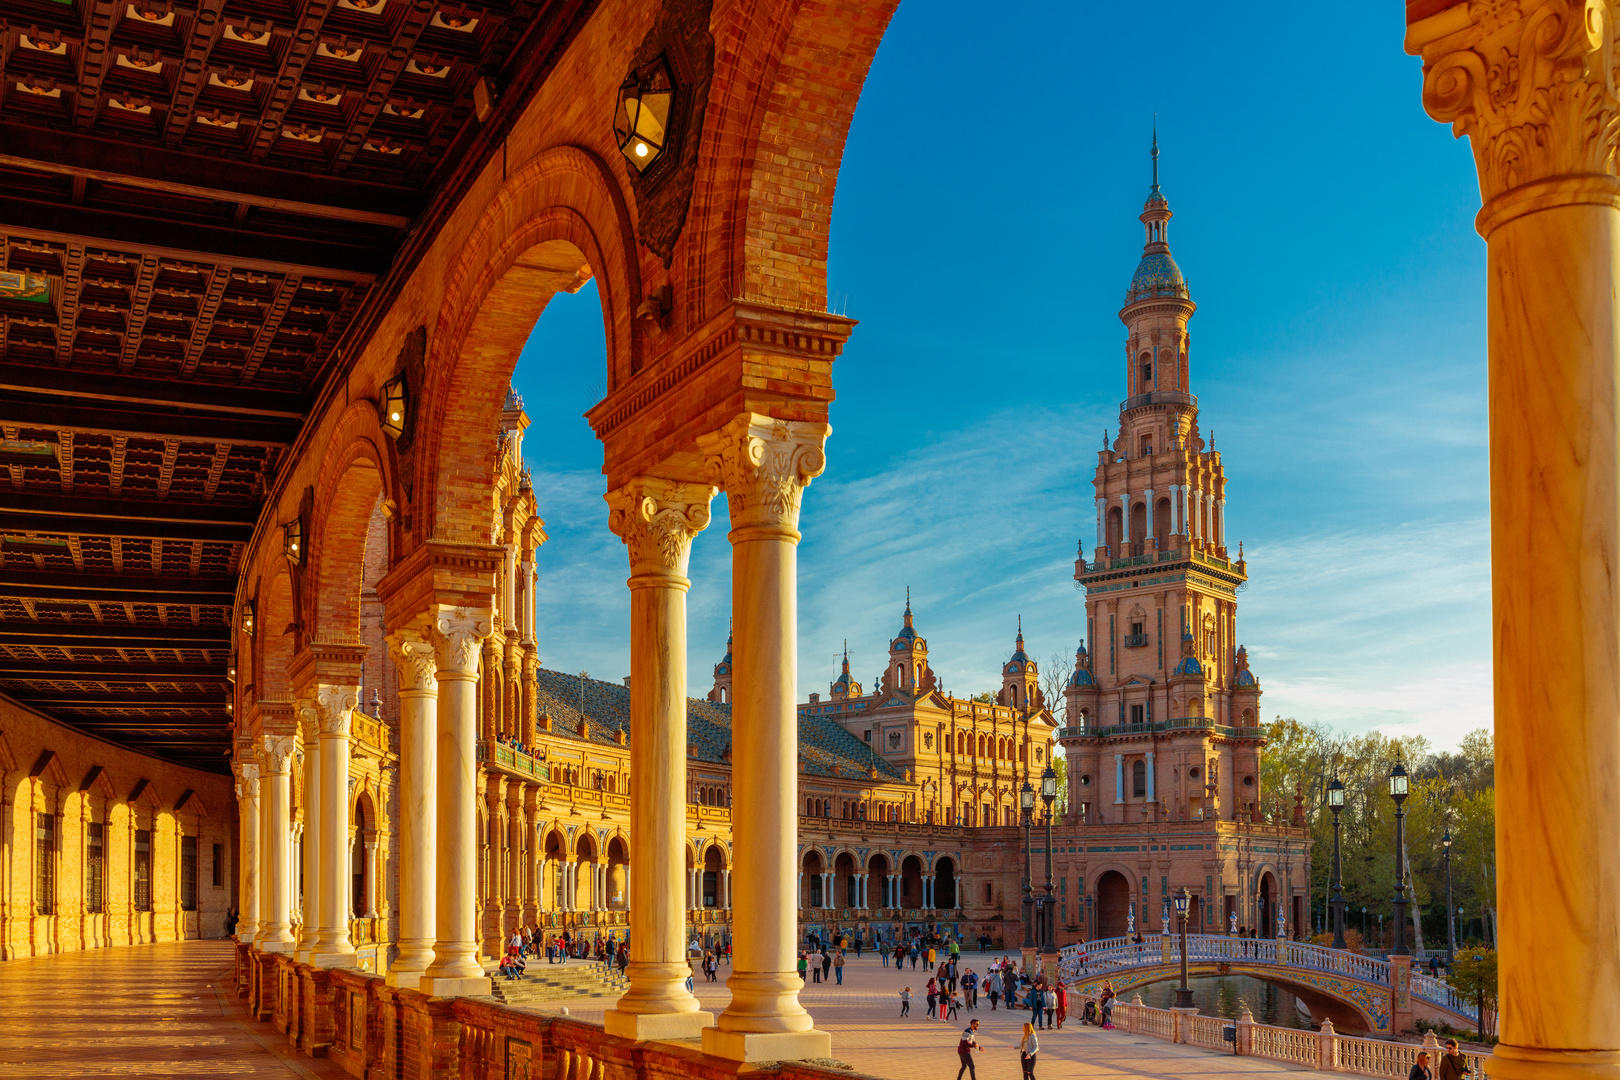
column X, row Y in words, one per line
column 164, row 1011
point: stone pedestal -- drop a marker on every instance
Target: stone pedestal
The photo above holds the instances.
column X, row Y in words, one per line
column 1400, row 992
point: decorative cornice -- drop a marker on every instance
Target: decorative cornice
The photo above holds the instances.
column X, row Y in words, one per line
column 764, row 465
column 657, row 520
column 415, row 659
column 1532, row 85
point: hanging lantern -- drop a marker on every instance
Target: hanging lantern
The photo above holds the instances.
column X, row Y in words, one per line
column 642, row 122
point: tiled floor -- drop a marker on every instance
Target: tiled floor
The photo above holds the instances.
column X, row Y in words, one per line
column 161, row 1011
column 147, row 1010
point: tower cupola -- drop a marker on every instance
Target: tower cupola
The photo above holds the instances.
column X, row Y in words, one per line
column 845, row 686
column 1020, row 677
column 908, row 658
column 722, row 677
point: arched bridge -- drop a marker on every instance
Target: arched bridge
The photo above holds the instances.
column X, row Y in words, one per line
column 1385, row 998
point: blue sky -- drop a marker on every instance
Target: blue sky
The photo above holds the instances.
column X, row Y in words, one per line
column 984, row 232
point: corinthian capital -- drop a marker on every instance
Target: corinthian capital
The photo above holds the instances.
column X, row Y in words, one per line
column 415, row 659
column 458, row 633
column 657, row 520
column 764, row 465
column 247, row 780
column 276, row 754
column 1530, row 82
column 334, row 707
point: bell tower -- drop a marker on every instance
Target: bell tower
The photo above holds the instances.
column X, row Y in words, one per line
column 1164, row 689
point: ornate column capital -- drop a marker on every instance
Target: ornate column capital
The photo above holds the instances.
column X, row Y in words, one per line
column 1532, row 85
column 415, row 659
column 276, row 753
column 457, row 634
column 657, row 519
column 247, row 780
column 764, row 465
column 334, row 708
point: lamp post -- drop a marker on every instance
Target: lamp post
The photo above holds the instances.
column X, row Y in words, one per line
column 1451, row 925
column 1049, row 912
column 1184, row 993
column 1026, row 808
column 1398, row 792
column 1336, row 885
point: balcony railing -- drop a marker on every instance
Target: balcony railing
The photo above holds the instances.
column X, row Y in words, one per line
column 1136, row 641
column 1159, row 397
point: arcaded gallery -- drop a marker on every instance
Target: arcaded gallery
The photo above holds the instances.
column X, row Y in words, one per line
column 269, row 671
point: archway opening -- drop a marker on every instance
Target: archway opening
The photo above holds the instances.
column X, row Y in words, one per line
column 945, row 883
column 911, row 888
column 1113, row 904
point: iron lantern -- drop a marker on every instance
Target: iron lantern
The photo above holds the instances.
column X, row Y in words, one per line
column 1026, row 798
column 292, row 541
column 1336, row 793
column 247, row 618
column 1445, row 841
column 230, row 669
column 646, row 99
column 1397, row 782
column 1183, row 901
column 393, row 406
column 1048, row 785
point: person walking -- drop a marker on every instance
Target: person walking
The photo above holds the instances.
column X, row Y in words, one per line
column 966, row 1047
column 1050, row 996
column 933, row 998
column 1028, row 1047
column 802, row 965
column 1421, row 1070
column 882, row 954
column 955, row 1000
column 1036, row 1000
column 1062, row 1004
column 970, row 989
column 1453, row 1066
column 905, row 1002
column 838, row 966
column 991, row 983
column 826, row 964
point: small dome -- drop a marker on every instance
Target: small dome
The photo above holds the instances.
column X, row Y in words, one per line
column 1156, row 275
column 1081, row 677
column 1189, row 666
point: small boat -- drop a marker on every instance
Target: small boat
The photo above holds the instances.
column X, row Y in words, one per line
column 1303, row 1010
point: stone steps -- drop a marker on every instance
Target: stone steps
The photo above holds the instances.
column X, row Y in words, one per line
column 560, row 982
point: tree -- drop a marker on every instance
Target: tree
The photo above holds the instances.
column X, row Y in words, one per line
column 1473, row 975
column 1060, row 765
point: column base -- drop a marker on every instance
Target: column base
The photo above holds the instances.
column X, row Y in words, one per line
column 404, row 980
column 1535, row 1062
column 766, row 1046
column 334, row 958
column 665, row 1027
column 453, row 987
column 277, row 947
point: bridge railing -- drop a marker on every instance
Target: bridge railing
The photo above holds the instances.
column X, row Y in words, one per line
column 1436, row 992
column 1339, row 962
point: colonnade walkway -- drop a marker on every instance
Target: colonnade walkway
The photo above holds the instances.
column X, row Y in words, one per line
column 156, row 1011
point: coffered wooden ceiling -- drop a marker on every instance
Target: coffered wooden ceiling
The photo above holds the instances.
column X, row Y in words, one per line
column 203, row 206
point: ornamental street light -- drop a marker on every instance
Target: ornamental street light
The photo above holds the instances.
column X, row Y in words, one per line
column 1026, row 808
column 642, row 121
column 1451, row 925
column 1398, row 792
column 1336, row 904
column 1184, row 993
column 1049, row 912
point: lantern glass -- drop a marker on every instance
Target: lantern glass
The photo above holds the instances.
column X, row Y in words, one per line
column 1026, row 797
column 1445, row 840
column 230, row 669
column 292, row 541
column 247, row 618
column 1336, row 792
column 1049, row 784
column 642, row 122
column 1182, row 899
column 393, row 406
column 1397, row 781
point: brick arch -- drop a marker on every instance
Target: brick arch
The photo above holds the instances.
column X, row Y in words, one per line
column 275, row 638
column 348, row 493
column 786, row 84
column 555, row 224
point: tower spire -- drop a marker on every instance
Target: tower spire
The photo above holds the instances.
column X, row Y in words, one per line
column 1155, row 154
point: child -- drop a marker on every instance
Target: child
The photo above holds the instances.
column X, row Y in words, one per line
column 955, row 1000
column 905, row 1002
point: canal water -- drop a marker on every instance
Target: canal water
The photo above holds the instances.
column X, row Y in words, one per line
column 1224, row 995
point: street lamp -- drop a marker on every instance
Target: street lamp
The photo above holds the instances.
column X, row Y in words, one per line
column 1398, row 792
column 1451, row 926
column 1049, row 913
column 1183, row 900
column 1336, row 886
column 1026, row 807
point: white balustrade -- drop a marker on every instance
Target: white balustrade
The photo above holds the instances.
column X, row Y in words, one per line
column 1283, row 1044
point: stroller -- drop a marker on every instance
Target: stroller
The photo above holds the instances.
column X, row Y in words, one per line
column 1089, row 1016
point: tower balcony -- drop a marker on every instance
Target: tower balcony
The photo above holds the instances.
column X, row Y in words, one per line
column 1159, row 397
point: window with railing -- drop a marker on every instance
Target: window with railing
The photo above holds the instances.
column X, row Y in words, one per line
column 44, row 864
column 95, row 867
column 141, row 886
column 188, row 873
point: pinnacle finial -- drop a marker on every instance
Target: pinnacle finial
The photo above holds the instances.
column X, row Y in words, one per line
column 1155, row 153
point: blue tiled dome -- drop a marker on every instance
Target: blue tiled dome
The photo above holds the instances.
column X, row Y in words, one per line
column 1189, row 666
column 1081, row 677
column 1156, row 275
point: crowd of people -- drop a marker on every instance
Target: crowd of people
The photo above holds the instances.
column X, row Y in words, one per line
column 559, row 948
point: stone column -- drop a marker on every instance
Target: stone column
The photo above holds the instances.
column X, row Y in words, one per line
column 247, row 868
column 493, row 914
column 311, row 869
column 275, row 900
column 370, row 843
column 532, row 879
column 417, row 666
column 1532, row 85
column 515, row 854
column 764, row 465
column 334, row 707
column 801, row 890
column 657, row 520
column 455, row 969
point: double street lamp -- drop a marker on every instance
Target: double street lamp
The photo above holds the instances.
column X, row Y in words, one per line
column 1336, row 886
column 1183, row 901
column 1026, row 807
column 1451, row 924
column 1049, row 921
column 1398, row 792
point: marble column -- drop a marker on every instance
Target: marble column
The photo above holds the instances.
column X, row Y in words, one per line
column 516, row 854
column 275, row 899
column 334, row 707
column 1531, row 84
column 370, row 844
column 531, row 857
column 763, row 465
column 457, row 633
column 310, row 738
column 416, row 663
column 657, row 521
column 247, row 860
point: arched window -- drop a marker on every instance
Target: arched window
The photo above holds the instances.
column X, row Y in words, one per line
column 1023, row 751
column 1146, row 382
column 981, row 746
column 1138, row 779
column 961, row 743
column 810, row 807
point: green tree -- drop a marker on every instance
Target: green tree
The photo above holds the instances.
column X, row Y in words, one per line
column 1473, row 975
